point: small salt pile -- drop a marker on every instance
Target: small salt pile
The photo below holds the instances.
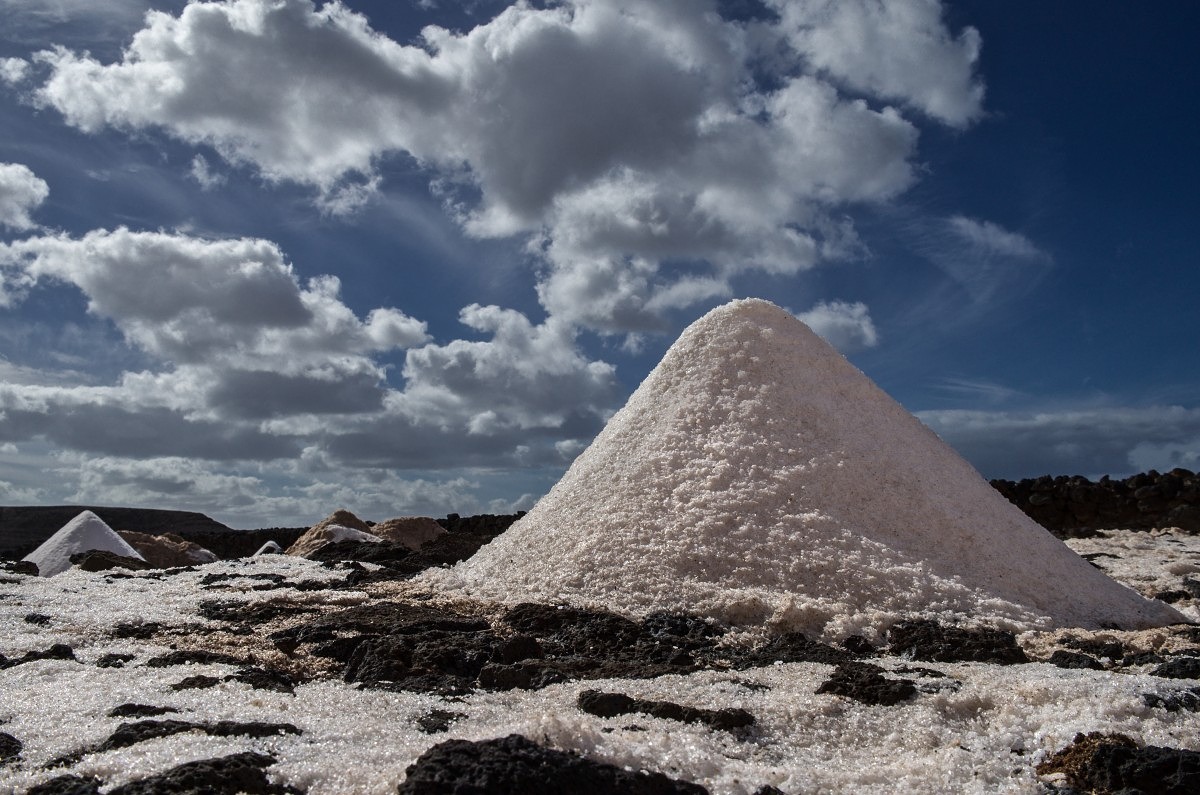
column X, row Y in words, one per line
column 85, row 532
column 758, row 477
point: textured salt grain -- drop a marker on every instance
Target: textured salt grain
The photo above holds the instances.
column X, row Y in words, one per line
column 758, row 477
column 85, row 532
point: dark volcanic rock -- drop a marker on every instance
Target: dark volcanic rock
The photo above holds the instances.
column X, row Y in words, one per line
column 796, row 647
column 137, row 630
column 928, row 640
column 128, row 734
column 1179, row 668
column 67, row 785
column 59, row 651
column 250, row 615
column 487, row 525
column 514, row 765
column 1112, row 763
column 438, row 720
column 1075, row 507
column 1096, row 647
column 1175, row 701
column 264, row 679
column 25, row 567
column 608, row 705
column 138, row 711
column 102, row 560
column 10, row 748
column 1072, row 659
column 113, row 660
column 186, row 656
column 866, row 683
column 197, row 682
column 228, row 775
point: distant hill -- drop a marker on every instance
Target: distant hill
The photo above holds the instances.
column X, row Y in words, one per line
column 22, row 529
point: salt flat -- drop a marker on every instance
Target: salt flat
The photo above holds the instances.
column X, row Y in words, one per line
column 978, row 728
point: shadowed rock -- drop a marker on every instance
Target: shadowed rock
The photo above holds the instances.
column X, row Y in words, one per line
column 608, row 705
column 515, row 765
column 1111, row 763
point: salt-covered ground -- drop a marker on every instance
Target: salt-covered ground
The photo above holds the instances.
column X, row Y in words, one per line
column 975, row 728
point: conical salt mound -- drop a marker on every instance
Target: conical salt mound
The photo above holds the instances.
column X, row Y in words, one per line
column 85, row 532
column 758, row 477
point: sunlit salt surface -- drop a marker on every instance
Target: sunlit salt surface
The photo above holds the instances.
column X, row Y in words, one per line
column 984, row 737
column 756, row 476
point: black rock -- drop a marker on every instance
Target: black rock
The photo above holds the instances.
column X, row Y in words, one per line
column 1175, row 701
column 128, row 734
column 138, row 711
column 1141, row 658
column 67, row 785
column 1171, row 597
column 432, row 661
column 438, row 720
column 250, row 614
column 516, row 648
column 59, row 651
column 1071, row 659
column 866, row 683
column 113, row 660
column 102, row 560
column 1111, row 649
column 40, row 619
column 188, row 656
column 608, row 705
column 1112, row 763
column 10, row 748
column 796, row 647
column 928, row 640
column 197, row 682
column 137, row 630
column 514, row 765
column 1179, row 668
column 265, row 679
column 228, row 775
column 858, row 646
column 25, row 567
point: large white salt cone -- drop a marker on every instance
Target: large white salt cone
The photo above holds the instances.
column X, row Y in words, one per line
column 758, row 477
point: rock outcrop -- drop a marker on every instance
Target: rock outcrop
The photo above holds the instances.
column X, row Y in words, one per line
column 167, row 550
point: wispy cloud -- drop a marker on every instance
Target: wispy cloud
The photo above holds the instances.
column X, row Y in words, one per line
column 1109, row 440
column 988, row 239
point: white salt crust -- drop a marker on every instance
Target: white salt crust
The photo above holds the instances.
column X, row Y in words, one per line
column 758, row 477
column 985, row 737
column 85, row 532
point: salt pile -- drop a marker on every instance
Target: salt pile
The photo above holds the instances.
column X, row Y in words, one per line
column 341, row 525
column 758, row 477
column 85, row 532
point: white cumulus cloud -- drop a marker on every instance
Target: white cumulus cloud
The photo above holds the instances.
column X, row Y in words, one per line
column 21, row 192
column 621, row 137
column 846, row 326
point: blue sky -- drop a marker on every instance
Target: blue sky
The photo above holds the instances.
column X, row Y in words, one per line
column 268, row 259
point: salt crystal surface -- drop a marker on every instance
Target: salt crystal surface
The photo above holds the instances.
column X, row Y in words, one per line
column 981, row 729
column 85, row 532
column 758, row 477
